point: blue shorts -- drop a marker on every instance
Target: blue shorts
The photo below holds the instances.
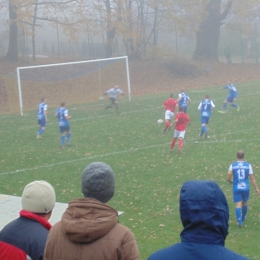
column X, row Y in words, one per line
column 230, row 99
column 42, row 122
column 64, row 128
column 184, row 108
column 240, row 195
column 204, row 119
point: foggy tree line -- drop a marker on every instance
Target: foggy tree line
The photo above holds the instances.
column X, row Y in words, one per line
column 138, row 23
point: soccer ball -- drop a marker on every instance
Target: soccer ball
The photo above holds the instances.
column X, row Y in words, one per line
column 159, row 121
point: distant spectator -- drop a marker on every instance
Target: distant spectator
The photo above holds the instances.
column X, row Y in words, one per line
column 227, row 52
column 27, row 234
column 249, row 48
column 89, row 228
column 207, row 71
column 204, row 214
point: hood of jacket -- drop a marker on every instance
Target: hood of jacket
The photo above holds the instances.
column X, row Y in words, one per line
column 86, row 220
column 204, row 213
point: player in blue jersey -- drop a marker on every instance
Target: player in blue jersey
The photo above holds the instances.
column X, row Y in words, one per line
column 231, row 98
column 63, row 119
column 183, row 100
column 239, row 174
column 42, row 117
column 205, row 106
column 113, row 92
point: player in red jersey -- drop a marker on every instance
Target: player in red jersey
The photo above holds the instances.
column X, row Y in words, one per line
column 169, row 105
column 181, row 120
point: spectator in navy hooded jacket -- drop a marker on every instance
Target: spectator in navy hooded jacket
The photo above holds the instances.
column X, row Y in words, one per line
column 204, row 215
column 25, row 237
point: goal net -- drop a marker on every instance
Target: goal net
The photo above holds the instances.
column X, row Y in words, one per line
column 72, row 82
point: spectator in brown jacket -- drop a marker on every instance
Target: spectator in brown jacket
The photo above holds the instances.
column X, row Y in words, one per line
column 89, row 228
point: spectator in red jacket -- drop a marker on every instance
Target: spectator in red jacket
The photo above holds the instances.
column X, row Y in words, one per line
column 26, row 236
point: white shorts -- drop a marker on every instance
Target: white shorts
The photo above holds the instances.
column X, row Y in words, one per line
column 169, row 115
column 179, row 134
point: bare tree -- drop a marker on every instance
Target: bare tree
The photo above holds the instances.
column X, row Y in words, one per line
column 111, row 30
column 207, row 37
column 12, row 52
column 27, row 13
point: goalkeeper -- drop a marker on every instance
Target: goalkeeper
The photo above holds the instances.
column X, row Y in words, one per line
column 113, row 92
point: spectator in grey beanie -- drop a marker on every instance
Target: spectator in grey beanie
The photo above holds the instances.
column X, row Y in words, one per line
column 98, row 182
column 89, row 228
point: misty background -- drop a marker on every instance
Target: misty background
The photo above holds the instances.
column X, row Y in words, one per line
column 141, row 29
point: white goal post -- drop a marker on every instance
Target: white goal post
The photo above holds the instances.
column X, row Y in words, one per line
column 19, row 69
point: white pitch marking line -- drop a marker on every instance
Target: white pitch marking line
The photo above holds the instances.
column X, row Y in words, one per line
column 82, row 159
column 119, row 152
column 91, row 117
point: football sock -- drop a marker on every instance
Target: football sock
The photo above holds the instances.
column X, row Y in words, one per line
column 173, row 143
column 205, row 130
column 68, row 137
column 238, row 216
column 202, row 131
column 234, row 105
column 225, row 106
column 40, row 132
column 244, row 211
column 62, row 139
column 167, row 125
column 180, row 143
column 108, row 107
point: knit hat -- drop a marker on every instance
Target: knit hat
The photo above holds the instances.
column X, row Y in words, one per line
column 38, row 197
column 98, row 182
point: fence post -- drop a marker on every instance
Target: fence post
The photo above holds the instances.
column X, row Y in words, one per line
column 241, row 46
column 58, row 38
column 256, row 47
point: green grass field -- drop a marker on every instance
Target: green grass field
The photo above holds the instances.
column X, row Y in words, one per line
column 148, row 177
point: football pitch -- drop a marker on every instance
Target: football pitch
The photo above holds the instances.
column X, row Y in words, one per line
column 148, row 176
